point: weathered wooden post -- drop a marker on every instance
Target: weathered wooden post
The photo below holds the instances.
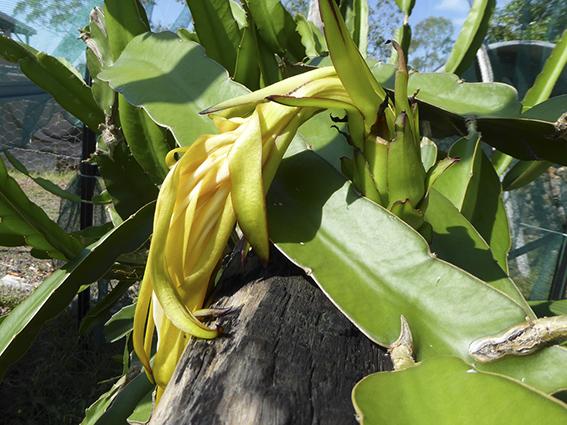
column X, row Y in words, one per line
column 288, row 356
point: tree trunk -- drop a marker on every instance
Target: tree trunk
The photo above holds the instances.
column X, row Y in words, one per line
column 288, row 356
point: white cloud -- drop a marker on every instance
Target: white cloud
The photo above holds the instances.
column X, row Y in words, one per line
column 453, row 5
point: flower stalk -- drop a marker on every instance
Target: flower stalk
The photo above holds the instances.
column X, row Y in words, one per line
column 386, row 166
column 520, row 340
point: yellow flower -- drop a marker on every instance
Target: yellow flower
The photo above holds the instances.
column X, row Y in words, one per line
column 219, row 180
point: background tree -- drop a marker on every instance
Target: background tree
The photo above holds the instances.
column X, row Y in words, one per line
column 384, row 18
column 58, row 15
column 61, row 16
column 528, row 20
column 432, row 40
column 297, row 6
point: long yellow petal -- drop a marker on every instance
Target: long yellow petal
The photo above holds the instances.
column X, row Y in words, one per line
column 140, row 319
column 171, row 346
column 205, row 265
column 245, row 164
column 177, row 312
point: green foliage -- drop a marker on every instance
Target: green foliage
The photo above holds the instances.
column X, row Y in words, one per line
column 126, row 397
column 445, row 306
column 450, row 281
column 349, row 63
column 123, row 21
column 453, row 393
column 24, row 322
column 473, row 187
column 383, row 19
column 471, row 36
column 98, row 56
column 536, row 106
column 125, row 181
column 547, row 78
column 149, row 143
column 46, row 184
column 549, row 110
column 355, row 14
column 247, row 71
column 456, row 240
column 448, row 103
column 311, row 37
column 448, row 92
column 218, row 30
column 549, row 308
column 120, row 324
column 528, row 20
column 101, row 311
column 277, row 28
column 24, row 223
column 172, row 80
column 406, row 6
column 523, row 173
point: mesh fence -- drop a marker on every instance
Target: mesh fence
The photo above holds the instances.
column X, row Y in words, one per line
column 538, row 219
column 34, row 126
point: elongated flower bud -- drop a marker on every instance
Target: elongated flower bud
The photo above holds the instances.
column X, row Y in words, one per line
column 219, row 180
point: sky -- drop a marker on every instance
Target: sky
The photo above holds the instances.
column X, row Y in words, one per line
column 454, row 10
column 167, row 11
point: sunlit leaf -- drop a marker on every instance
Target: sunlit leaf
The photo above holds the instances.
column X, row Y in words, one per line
column 217, row 30
column 471, row 36
column 473, row 187
column 148, row 142
column 447, row 391
column 173, row 80
column 277, row 28
column 375, row 267
column 547, row 78
column 355, row 14
column 351, row 67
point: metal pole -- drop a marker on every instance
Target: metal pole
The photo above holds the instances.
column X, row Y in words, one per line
column 87, row 173
column 559, row 282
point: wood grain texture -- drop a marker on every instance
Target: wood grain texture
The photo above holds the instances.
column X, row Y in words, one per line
column 287, row 356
